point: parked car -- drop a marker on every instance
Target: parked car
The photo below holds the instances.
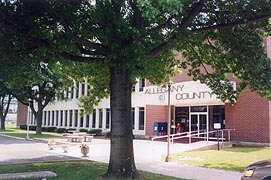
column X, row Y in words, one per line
column 258, row 171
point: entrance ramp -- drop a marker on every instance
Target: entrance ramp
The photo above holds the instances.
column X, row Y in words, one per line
column 198, row 139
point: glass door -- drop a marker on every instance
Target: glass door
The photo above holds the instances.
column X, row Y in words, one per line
column 198, row 122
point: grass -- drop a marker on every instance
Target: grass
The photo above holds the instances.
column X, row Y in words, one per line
column 75, row 170
column 235, row 159
column 13, row 131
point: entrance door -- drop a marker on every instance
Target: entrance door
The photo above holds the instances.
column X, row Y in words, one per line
column 198, row 122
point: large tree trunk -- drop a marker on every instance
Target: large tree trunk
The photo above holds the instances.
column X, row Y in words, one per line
column 121, row 164
column 2, row 119
column 38, row 119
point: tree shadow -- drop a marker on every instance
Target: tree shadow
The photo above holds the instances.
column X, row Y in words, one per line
column 242, row 149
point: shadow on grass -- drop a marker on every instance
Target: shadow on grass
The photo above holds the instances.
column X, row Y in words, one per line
column 242, row 149
column 225, row 166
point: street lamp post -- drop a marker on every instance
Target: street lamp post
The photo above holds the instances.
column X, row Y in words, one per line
column 27, row 121
column 168, row 157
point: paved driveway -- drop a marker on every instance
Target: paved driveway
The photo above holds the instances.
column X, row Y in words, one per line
column 147, row 156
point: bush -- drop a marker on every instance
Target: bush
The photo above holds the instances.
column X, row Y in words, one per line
column 107, row 134
column 97, row 132
column 32, row 128
column 83, row 130
column 71, row 129
column 23, row 127
column 61, row 130
column 44, row 129
column 51, row 129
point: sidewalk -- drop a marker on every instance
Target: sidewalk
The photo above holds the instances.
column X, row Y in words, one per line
column 147, row 157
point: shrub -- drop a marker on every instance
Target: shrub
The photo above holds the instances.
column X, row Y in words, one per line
column 32, row 128
column 61, row 130
column 98, row 132
column 71, row 129
column 83, row 130
column 44, row 129
column 23, row 127
column 51, row 129
column 107, row 134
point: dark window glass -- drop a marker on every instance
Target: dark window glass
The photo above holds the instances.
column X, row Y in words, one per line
column 61, row 118
column 94, row 118
column 72, row 90
column 76, row 118
column 81, row 118
column 71, row 117
column 141, row 84
column 100, row 118
column 182, row 117
column 53, row 118
column 66, row 118
column 133, row 118
column 141, row 118
column 45, row 116
column 219, row 115
column 77, row 90
column 49, row 118
column 107, row 125
column 57, row 118
column 87, row 121
column 198, row 108
column 83, row 88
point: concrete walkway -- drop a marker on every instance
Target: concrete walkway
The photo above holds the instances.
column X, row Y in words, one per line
column 147, row 156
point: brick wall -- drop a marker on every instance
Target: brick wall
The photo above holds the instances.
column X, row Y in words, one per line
column 250, row 116
column 21, row 114
column 156, row 113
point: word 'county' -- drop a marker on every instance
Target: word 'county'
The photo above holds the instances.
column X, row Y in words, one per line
column 199, row 95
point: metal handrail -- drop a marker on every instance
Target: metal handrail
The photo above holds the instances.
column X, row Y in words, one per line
column 171, row 135
column 195, row 133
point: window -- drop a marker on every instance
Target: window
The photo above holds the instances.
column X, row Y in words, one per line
column 66, row 118
column 45, row 116
column 100, row 118
column 49, row 118
column 94, row 118
column 133, row 118
column 83, row 88
column 198, row 108
column 81, row 118
column 61, row 118
column 71, row 118
column 87, row 121
column 77, row 90
column 72, row 89
column 53, row 118
column 57, row 118
column 141, row 84
column 218, row 114
column 141, row 118
column 107, row 123
column 76, row 118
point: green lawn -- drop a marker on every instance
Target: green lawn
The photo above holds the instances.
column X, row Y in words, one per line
column 13, row 131
column 75, row 170
column 235, row 159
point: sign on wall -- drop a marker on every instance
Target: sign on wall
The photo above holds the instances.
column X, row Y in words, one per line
column 191, row 92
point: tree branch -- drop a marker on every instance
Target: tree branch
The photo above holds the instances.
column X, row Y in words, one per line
column 87, row 52
column 137, row 16
column 81, row 58
column 191, row 14
column 68, row 29
column 183, row 25
column 233, row 24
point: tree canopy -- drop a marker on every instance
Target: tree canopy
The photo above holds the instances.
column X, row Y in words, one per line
column 128, row 39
